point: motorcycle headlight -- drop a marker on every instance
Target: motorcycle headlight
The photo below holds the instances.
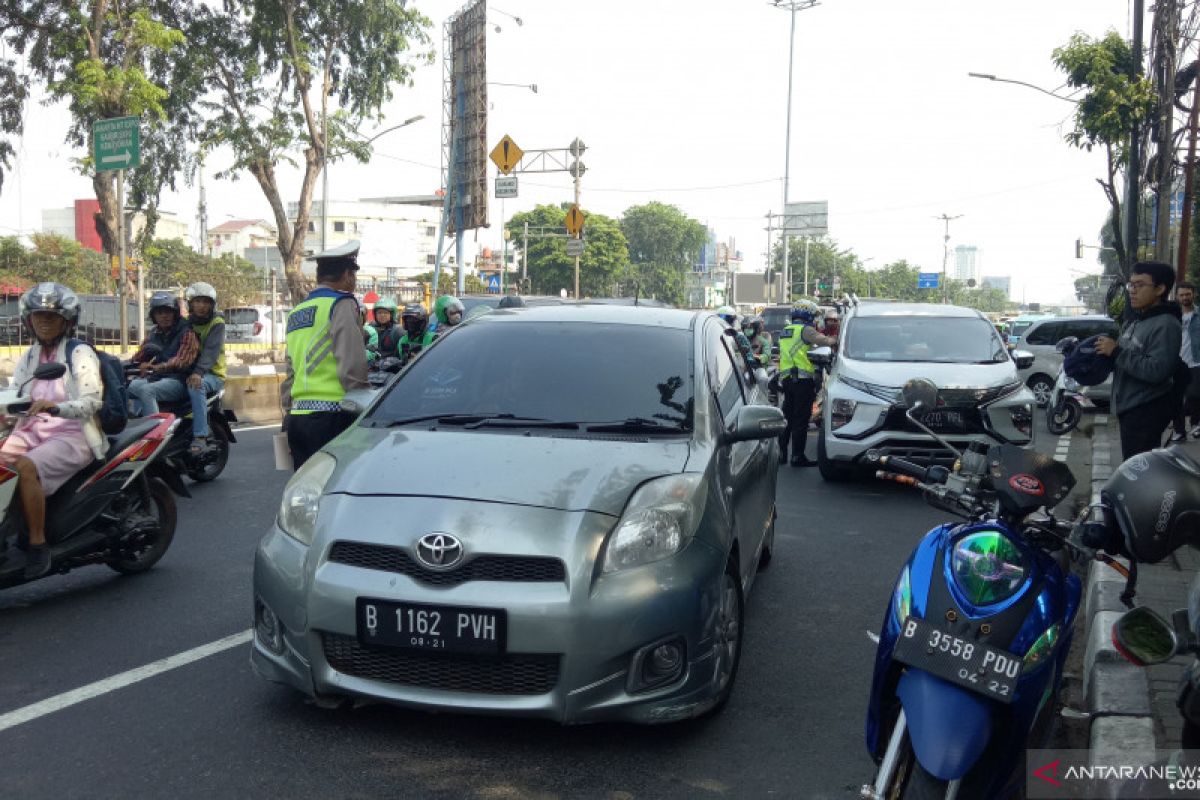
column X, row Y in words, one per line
column 658, row 522
column 1043, row 647
column 841, row 412
column 302, row 498
column 988, row 567
column 902, row 597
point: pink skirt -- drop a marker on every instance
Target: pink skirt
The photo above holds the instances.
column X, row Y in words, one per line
column 55, row 460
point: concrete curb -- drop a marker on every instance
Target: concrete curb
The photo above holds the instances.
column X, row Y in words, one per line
column 1116, row 693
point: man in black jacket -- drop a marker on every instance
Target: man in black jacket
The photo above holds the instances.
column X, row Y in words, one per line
column 1147, row 355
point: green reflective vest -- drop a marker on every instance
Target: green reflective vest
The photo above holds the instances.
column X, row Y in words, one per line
column 793, row 351
column 315, row 383
column 202, row 331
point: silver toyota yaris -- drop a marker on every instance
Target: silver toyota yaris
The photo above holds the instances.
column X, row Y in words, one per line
column 554, row 512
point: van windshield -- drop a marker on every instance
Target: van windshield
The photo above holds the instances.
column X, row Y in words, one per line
column 949, row 340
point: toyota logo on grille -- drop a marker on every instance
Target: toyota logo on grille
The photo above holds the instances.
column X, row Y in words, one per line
column 439, row 551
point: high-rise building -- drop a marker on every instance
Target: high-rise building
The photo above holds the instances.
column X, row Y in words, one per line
column 966, row 263
column 1001, row 282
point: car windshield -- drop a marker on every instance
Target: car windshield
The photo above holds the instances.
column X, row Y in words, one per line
column 950, row 340
column 775, row 319
column 563, row 372
column 1019, row 328
column 240, row 316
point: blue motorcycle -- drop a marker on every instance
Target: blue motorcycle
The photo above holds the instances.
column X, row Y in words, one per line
column 974, row 639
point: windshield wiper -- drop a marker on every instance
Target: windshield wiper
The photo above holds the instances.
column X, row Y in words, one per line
column 634, row 425
column 472, row 421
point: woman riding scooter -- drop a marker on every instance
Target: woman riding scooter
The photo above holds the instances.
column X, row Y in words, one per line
column 61, row 435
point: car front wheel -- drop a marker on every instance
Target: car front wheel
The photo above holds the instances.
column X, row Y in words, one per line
column 1042, row 387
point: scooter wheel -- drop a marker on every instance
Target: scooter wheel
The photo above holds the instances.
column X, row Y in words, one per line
column 922, row 786
column 164, row 511
column 1063, row 418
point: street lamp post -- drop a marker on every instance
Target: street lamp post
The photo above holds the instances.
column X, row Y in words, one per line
column 793, row 6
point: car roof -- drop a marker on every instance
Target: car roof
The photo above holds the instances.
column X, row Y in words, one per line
column 1081, row 317
column 868, row 309
column 593, row 312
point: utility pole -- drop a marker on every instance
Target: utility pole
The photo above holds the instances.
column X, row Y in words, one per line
column 1134, row 166
column 524, row 258
column 1185, row 222
column 123, row 276
column 1166, row 35
column 807, row 242
column 576, row 170
column 770, row 280
column 946, row 254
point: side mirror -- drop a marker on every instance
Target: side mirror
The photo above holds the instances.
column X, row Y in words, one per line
column 919, row 392
column 49, row 372
column 1024, row 358
column 357, row 400
column 821, row 356
column 755, row 422
column 1144, row 637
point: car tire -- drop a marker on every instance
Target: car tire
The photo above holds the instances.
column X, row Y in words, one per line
column 831, row 471
column 730, row 621
column 1042, row 387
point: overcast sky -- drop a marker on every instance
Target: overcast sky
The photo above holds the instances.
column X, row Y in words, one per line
column 685, row 102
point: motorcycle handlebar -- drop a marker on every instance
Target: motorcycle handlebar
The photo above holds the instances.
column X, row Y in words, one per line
column 904, row 467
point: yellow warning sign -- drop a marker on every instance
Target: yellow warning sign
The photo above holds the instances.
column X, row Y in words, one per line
column 506, row 155
column 575, row 219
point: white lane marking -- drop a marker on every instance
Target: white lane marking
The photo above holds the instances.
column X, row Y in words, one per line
column 256, row 428
column 119, row 681
column 1101, row 419
column 1061, row 458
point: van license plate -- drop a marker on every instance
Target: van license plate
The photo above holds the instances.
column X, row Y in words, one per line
column 972, row 665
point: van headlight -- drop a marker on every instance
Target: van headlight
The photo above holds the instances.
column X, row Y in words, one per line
column 658, row 522
column 302, row 498
column 841, row 411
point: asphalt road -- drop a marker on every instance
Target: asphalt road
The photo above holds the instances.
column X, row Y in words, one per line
column 212, row 729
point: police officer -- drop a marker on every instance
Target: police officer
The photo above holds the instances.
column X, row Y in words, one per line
column 796, row 378
column 325, row 356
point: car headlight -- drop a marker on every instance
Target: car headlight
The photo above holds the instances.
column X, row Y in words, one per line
column 302, row 498
column 841, row 411
column 658, row 522
column 1043, row 647
column 902, row 597
column 988, row 567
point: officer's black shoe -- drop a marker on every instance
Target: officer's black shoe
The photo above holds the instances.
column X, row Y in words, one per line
column 803, row 462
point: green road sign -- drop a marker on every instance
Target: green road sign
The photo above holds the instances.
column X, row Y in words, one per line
column 116, row 143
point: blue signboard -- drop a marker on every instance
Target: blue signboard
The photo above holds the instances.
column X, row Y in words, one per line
column 928, row 280
column 493, row 284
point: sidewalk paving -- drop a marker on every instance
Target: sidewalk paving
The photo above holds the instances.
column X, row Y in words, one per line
column 1133, row 709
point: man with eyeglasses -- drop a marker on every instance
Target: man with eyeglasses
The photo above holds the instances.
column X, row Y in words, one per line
column 325, row 356
column 1146, row 359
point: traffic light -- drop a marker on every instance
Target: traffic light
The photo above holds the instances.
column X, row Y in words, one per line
column 1079, row 248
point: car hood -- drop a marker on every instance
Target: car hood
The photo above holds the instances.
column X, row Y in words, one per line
column 945, row 376
column 572, row 473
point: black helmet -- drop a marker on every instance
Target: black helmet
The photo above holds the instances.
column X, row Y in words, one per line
column 162, row 300
column 415, row 319
column 53, row 297
column 1153, row 499
column 511, row 301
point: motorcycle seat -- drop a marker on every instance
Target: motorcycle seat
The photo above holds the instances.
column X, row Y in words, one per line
column 134, row 430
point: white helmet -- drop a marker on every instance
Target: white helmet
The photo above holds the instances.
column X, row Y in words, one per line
column 200, row 289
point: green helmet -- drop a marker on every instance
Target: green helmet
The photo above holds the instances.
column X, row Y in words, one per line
column 444, row 305
column 386, row 304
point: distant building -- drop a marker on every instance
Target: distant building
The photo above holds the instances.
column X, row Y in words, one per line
column 398, row 234
column 238, row 235
column 1001, row 282
column 966, row 263
column 78, row 222
column 711, row 279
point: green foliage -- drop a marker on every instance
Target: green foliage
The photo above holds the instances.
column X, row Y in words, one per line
column 1114, row 101
column 664, row 244
column 603, row 266
column 448, row 283
column 171, row 263
column 54, row 258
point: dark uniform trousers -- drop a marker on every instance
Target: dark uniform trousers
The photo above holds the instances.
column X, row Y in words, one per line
column 308, row 433
column 798, row 396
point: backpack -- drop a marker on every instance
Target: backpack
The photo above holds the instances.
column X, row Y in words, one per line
column 114, row 408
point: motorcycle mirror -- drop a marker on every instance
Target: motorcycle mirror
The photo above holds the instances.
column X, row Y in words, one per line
column 920, row 392
column 1144, row 637
column 49, row 372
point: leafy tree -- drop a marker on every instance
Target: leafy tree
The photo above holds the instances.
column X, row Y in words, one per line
column 603, row 266
column 107, row 58
column 664, row 244
column 1113, row 103
column 171, row 263
column 447, row 284
column 53, row 258
column 273, row 68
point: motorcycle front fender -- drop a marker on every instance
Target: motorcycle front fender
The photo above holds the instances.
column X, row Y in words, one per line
column 949, row 726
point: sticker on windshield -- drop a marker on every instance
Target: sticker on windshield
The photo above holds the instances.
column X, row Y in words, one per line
column 442, row 383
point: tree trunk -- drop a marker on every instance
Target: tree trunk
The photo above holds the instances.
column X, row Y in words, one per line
column 290, row 238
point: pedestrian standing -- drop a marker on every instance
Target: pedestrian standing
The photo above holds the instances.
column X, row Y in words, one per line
column 325, row 356
column 796, row 379
column 1189, row 351
column 1146, row 357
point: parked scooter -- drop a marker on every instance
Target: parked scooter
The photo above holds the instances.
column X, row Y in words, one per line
column 971, row 652
column 1068, row 400
column 118, row 511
